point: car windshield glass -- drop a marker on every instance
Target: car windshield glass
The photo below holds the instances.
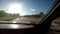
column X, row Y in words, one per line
column 23, row 11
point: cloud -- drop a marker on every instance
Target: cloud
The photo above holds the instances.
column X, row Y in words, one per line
column 32, row 9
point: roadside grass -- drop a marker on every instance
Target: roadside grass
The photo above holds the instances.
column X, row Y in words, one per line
column 7, row 18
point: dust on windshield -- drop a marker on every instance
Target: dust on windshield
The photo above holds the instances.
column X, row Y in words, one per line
column 23, row 11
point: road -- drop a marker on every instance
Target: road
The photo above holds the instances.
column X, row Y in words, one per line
column 17, row 26
column 20, row 20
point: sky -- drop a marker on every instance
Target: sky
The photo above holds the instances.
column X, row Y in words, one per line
column 25, row 7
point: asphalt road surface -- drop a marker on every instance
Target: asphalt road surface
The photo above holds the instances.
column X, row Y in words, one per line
column 22, row 20
column 16, row 26
column 19, row 20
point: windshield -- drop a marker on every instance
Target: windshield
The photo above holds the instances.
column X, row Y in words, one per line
column 23, row 11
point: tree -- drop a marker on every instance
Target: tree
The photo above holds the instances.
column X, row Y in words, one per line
column 2, row 13
column 41, row 13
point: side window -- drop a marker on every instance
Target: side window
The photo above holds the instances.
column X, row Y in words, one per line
column 55, row 26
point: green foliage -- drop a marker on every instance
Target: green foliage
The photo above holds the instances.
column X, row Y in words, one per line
column 7, row 16
column 2, row 13
column 35, row 15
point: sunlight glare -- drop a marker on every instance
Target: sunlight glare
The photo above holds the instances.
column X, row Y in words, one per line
column 15, row 8
column 14, row 26
column 14, row 21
